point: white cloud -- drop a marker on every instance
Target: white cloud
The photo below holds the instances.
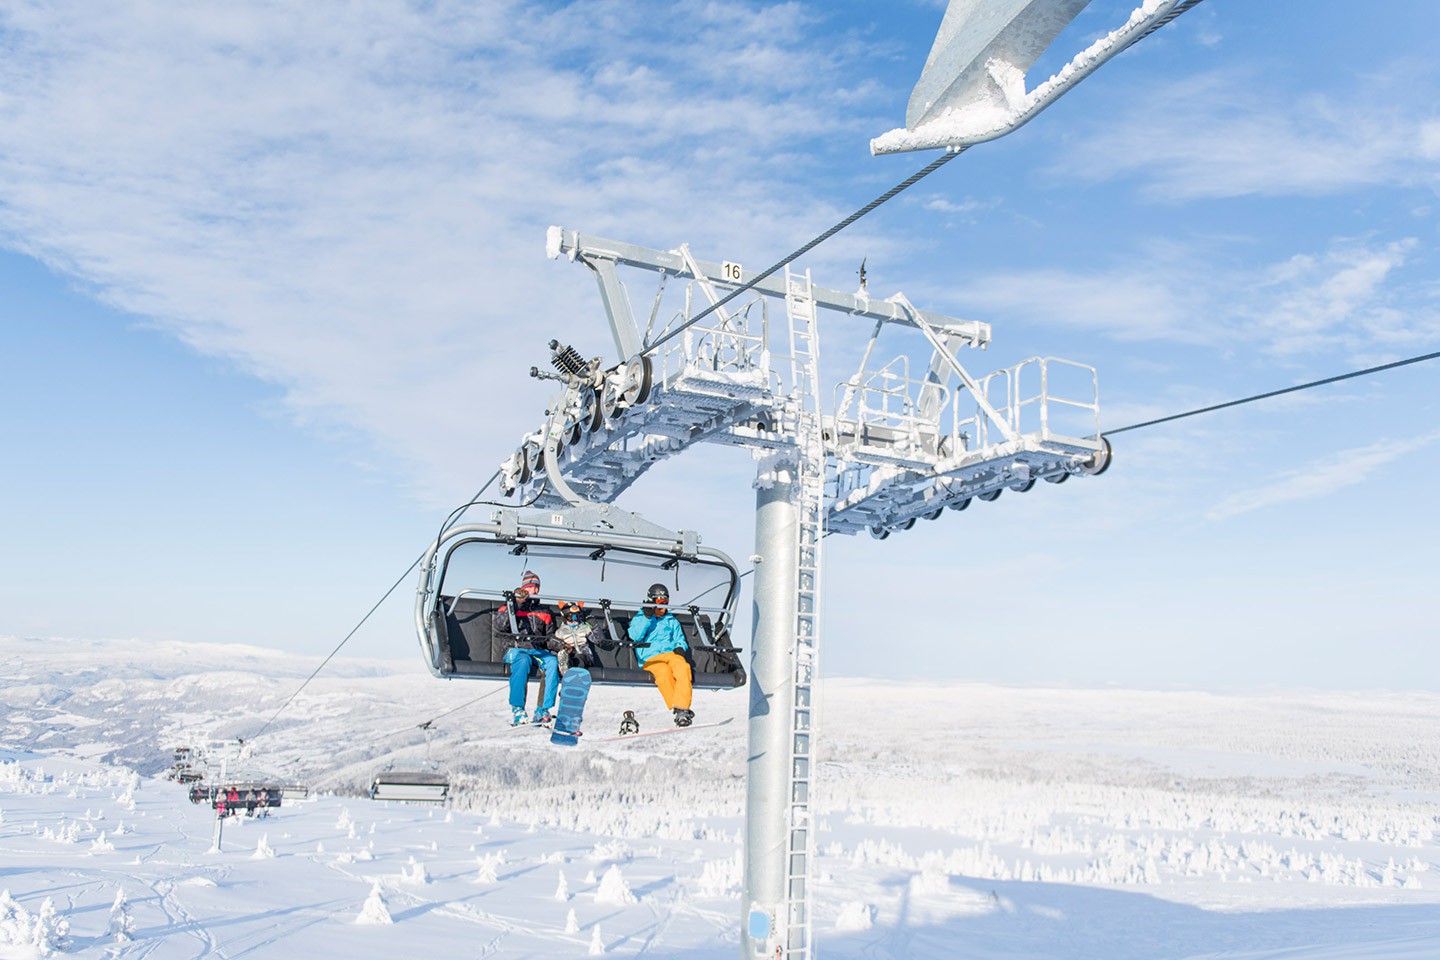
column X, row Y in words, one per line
column 966, row 206
column 1320, row 478
column 1352, row 295
column 1239, row 133
column 350, row 199
column 1430, row 140
column 1340, row 297
column 1124, row 303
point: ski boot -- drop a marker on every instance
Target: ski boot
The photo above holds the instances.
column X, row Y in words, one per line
column 517, row 716
column 544, row 719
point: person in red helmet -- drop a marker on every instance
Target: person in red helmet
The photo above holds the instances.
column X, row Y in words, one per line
column 659, row 646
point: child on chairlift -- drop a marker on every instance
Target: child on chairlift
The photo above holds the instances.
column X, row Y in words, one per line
column 574, row 637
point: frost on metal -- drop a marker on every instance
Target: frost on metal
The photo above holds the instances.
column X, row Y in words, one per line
column 973, row 87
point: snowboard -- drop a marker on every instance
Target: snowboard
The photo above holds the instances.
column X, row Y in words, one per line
column 570, row 706
column 662, row 732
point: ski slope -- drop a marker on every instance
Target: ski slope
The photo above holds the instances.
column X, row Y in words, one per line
column 956, row 821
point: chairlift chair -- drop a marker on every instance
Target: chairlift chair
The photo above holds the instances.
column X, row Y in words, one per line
column 423, row 783
column 410, row 786
column 601, row 555
column 249, row 795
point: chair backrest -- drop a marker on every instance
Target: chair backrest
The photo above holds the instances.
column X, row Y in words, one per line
column 473, row 649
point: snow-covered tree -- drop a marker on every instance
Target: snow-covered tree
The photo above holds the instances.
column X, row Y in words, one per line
column 374, row 912
column 855, row 916
column 121, row 925
column 415, row 873
column 562, row 889
column 613, row 888
column 597, row 946
column 41, row 932
column 489, row 865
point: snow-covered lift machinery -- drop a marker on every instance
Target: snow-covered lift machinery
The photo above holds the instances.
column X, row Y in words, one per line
column 893, row 448
column 975, row 86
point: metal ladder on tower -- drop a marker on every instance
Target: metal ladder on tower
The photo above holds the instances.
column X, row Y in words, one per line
column 810, row 467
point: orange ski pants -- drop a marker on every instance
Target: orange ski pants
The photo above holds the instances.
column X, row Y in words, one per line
column 672, row 676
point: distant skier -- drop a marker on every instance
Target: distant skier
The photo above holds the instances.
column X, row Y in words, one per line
column 529, row 624
column 659, row 646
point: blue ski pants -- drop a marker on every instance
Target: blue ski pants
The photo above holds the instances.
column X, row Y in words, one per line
column 519, row 662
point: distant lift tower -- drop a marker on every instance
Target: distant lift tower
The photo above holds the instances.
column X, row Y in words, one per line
column 896, row 445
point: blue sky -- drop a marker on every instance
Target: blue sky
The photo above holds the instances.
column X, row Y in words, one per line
column 270, row 277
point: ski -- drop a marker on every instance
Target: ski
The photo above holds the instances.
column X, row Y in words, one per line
column 657, row 733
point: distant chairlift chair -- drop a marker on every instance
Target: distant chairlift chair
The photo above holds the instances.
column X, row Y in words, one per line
column 410, row 786
column 424, row 783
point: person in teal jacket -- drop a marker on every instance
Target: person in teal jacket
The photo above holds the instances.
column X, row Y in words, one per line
column 659, row 645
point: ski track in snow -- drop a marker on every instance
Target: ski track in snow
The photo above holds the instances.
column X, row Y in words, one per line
column 1088, row 824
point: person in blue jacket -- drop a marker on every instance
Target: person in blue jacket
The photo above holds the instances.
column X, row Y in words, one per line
column 659, row 643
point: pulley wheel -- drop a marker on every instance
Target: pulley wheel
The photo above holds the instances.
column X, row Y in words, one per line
column 934, row 514
column 612, row 399
column 1057, row 477
column 1100, row 462
column 534, row 456
column 589, row 415
column 961, row 504
column 570, row 432
column 992, row 496
column 522, row 467
column 1024, row 487
column 879, row 533
column 637, row 381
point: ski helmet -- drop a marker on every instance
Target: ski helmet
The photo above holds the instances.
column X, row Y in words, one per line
column 658, row 594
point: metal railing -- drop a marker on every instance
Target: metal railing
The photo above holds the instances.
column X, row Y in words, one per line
column 1024, row 397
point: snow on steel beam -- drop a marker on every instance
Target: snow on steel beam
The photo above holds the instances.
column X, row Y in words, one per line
column 973, row 87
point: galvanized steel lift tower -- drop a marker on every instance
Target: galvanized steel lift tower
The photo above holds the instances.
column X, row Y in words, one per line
column 894, row 446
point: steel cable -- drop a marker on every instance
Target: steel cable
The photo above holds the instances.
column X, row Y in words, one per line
column 451, row 521
column 905, row 184
column 1275, row 393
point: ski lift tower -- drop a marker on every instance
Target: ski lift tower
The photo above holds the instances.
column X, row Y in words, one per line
column 894, row 446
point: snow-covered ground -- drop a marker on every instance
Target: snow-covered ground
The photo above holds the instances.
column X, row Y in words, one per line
column 957, row 820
